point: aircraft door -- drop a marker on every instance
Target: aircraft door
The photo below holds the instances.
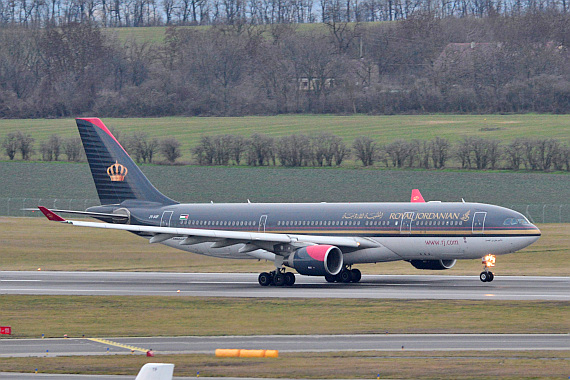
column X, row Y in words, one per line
column 479, row 222
column 406, row 222
column 262, row 222
column 165, row 220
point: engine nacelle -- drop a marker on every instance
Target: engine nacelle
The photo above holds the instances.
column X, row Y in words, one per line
column 316, row 260
column 433, row 264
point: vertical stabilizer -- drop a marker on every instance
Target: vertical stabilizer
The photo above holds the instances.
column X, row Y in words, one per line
column 156, row 371
column 417, row 196
column 116, row 176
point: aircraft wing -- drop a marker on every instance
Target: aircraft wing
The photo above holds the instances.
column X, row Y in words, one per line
column 221, row 238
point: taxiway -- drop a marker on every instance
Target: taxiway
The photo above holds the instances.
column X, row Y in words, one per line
column 285, row 343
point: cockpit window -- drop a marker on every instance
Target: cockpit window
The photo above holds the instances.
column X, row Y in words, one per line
column 516, row 221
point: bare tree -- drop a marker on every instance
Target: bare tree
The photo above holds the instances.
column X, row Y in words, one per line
column 170, row 149
column 365, row 150
column 294, row 150
column 514, row 153
column 25, row 145
column 261, row 150
column 51, row 149
column 10, row 145
column 399, row 151
column 204, row 151
column 238, row 147
column 73, row 149
column 439, row 148
column 463, row 152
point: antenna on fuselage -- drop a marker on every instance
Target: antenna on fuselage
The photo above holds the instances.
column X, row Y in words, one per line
column 462, row 200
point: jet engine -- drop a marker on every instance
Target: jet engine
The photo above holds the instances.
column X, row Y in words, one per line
column 316, row 260
column 433, row 264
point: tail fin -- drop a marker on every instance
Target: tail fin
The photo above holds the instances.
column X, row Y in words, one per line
column 417, row 196
column 156, row 371
column 117, row 178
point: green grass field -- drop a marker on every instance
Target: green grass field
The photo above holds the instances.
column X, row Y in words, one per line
column 51, row 181
column 108, row 316
column 384, row 129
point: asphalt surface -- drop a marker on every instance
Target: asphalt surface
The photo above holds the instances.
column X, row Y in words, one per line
column 245, row 285
column 284, row 343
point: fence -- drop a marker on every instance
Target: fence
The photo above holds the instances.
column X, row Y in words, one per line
column 536, row 213
column 16, row 206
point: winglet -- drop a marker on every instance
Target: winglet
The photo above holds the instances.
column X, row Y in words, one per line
column 417, row 196
column 51, row 215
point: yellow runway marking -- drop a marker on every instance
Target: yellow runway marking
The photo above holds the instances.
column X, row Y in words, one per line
column 111, row 343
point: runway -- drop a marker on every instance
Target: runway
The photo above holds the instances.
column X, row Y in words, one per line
column 284, row 343
column 245, row 285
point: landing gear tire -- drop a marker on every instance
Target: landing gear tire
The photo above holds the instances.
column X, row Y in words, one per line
column 289, row 279
column 345, row 276
column 279, row 279
column 486, row 276
column 330, row 278
column 264, row 279
column 355, row 275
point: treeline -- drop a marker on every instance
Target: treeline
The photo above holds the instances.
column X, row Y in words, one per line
column 329, row 150
column 136, row 13
column 142, row 148
column 324, row 149
column 423, row 64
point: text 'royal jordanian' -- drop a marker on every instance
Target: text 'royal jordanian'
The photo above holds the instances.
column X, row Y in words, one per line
column 315, row 239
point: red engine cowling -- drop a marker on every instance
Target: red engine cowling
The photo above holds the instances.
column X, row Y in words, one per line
column 433, row 264
column 316, row 260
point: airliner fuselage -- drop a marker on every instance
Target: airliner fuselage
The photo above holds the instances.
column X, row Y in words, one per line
column 315, row 239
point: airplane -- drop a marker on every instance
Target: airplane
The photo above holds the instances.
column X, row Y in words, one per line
column 314, row 239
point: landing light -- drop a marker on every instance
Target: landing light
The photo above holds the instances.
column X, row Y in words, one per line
column 488, row 261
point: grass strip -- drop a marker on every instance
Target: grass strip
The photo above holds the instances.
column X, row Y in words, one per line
column 113, row 316
column 343, row 365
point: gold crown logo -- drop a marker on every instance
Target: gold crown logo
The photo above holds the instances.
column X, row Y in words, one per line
column 117, row 172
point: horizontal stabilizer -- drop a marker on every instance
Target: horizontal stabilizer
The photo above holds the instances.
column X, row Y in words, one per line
column 120, row 217
column 51, row 215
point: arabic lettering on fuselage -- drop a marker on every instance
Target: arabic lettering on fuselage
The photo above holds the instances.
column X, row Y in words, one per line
column 363, row 215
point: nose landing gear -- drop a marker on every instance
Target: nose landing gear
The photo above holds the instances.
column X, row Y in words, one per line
column 488, row 262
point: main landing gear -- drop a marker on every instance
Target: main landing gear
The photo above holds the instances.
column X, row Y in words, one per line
column 345, row 275
column 277, row 277
column 488, row 262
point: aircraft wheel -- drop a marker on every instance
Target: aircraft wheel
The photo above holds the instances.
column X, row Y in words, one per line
column 289, row 279
column 484, row 276
column 279, row 279
column 264, row 279
column 330, row 278
column 355, row 275
column 345, row 276
column 491, row 277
